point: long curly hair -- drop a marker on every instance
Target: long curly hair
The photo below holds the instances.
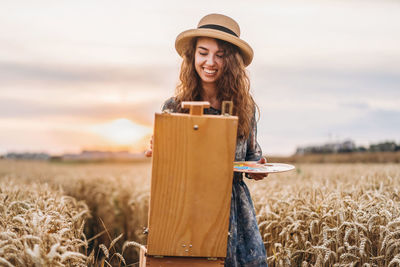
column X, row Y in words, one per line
column 233, row 85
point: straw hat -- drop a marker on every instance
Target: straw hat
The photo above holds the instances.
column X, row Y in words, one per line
column 216, row 26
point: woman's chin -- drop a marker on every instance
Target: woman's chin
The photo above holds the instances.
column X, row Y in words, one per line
column 206, row 79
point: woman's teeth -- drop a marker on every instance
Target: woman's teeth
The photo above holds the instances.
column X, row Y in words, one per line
column 210, row 71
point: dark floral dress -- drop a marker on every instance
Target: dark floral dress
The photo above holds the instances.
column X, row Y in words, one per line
column 245, row 245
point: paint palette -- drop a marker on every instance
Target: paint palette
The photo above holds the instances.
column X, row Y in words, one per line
column 254, row 167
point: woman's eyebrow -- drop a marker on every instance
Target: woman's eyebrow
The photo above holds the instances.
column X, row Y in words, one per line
column 219, row 51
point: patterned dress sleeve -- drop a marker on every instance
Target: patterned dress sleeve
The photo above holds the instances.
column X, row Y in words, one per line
column 170, row 104
column 254, row 152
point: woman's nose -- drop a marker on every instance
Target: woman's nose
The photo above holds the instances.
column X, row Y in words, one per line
column 210, row 60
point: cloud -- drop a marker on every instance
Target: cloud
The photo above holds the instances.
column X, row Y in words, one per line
column 329, row 78
column 306, row 105
column 358, row 105
column 139, row 112
column 84, row 92
column 20, row 73
column 382, row 122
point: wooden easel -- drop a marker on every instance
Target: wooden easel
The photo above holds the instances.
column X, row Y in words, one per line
column 192, row 171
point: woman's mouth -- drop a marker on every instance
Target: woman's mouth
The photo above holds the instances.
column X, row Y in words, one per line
column 208, row 71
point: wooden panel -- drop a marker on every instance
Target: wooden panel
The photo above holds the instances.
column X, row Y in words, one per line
column 182, row 262
column 191, row 185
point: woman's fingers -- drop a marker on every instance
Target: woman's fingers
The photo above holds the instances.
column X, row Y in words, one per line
column 258, row 176
column 149, row 152
column 262, row 160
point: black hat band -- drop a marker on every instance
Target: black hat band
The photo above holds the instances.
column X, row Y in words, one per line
column 218, row 27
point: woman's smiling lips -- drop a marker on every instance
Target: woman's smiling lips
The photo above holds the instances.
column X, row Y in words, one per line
column 209, row 71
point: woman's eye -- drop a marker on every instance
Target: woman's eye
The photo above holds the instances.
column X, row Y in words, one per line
column 203, row 54
column 220, row 56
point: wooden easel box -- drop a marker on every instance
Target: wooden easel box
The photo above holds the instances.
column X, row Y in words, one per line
column 192, row 171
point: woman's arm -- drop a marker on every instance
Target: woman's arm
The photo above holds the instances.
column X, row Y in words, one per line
column 254, row 152
column 169, row 104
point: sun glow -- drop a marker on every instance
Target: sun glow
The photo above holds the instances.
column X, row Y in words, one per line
column 122, row 131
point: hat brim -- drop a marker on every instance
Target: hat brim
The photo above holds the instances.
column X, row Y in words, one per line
column 183, row 40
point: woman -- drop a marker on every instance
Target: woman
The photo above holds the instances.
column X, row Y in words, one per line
column 213, row 70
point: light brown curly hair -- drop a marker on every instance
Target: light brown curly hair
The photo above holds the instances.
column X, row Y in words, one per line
column 233, row 85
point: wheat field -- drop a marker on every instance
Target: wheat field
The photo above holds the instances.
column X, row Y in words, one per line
column 94, row 214
column 40, row 226
column 331, row 215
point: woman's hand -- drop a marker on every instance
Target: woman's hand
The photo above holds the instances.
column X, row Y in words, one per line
column 259, row 176
column 149, row 152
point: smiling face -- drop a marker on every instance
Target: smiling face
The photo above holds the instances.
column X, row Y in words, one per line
column 208, row 60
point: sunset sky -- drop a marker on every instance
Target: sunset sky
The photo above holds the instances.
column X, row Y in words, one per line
column 91, row 74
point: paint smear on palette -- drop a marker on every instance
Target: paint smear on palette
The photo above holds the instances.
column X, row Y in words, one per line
column 254, row 167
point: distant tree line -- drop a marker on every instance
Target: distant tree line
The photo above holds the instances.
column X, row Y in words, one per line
column 26, row 155
column 348, row 146
column 386, row 146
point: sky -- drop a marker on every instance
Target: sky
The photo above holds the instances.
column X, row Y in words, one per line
column 91, row 74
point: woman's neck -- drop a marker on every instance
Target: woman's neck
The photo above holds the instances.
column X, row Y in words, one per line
column 209, row 93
